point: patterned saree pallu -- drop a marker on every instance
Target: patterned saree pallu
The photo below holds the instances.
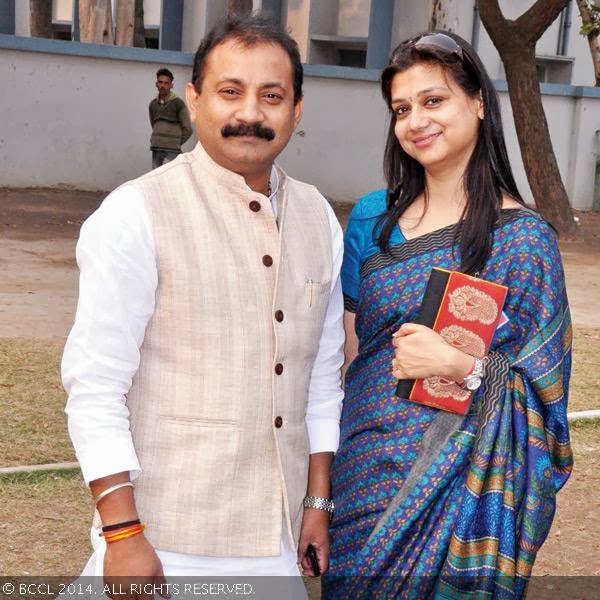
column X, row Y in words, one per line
column 465, row 311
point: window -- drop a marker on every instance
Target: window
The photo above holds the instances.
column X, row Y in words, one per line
column 554, row 69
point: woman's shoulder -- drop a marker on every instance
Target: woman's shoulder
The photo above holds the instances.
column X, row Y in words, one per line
column 369, row 207
column 525, row 228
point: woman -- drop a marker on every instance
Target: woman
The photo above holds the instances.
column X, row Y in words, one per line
column 429, row 503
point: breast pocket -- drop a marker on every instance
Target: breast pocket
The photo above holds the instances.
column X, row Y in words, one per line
column 314, row 291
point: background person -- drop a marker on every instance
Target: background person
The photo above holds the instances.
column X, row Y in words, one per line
column 169, row 120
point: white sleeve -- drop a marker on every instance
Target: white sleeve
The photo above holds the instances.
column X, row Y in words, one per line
column 325, row 394
column 117, row 287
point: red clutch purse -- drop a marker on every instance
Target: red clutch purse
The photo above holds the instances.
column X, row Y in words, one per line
column 465, row 311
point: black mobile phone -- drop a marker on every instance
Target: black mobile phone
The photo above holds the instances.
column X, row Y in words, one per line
column 314, row 561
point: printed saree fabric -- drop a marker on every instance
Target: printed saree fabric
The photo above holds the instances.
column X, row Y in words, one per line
column 435, row 505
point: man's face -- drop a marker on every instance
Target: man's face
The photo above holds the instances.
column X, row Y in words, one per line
column 164, row 85
column 245, row 112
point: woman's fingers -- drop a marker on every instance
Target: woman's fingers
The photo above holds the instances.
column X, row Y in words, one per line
column 397, row 371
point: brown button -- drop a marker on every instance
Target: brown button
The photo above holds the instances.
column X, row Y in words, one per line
column 278, row 422
column 254, row 206
column 279, row 315
column 279, row 368
column 267, row 260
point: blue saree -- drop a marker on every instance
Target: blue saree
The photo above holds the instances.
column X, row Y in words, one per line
column 465, row 521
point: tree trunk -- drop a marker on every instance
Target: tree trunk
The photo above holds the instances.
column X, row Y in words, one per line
column 95, row 21
column 534, row 140
column 515, row 41
column 40, row 18
column 591, row 29
column 443, row 15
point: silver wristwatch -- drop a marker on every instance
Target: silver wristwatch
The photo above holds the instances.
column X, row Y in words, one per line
column 473, row 380
column 320, row 503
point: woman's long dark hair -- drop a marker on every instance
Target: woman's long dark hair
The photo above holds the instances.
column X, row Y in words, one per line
column 488, row 174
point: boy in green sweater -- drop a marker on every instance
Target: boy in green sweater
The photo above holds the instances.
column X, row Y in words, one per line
column 169, row 119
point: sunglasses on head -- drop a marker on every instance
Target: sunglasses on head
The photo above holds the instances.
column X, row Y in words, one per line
column 441, row 41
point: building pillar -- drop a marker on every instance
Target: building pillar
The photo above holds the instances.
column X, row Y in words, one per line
column 380, row 33
column 75, row 22
column 7, row 17
column 272, row 7
column 171, row 22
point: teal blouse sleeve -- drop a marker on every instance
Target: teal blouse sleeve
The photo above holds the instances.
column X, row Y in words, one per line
column 359, row 243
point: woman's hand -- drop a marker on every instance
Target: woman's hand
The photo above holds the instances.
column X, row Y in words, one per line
column 420, row 352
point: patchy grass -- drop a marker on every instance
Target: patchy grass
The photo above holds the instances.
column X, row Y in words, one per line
column 585, row 376
column 32, row 394
column 575, row 535
column 45, row 516
column 32, row 397
column 45, row 521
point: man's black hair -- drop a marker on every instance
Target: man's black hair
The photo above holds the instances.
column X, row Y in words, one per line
column 164, row 72
column 249, row 30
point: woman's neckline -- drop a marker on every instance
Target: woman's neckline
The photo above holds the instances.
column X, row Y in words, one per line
column 439, row 229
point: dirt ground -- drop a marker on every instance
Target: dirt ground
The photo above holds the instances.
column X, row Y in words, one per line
column 38, row 293
column 38, row 232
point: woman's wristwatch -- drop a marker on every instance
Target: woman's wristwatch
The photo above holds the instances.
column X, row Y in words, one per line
column 473, row 380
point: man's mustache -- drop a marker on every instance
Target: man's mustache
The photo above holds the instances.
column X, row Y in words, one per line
column 251, row 129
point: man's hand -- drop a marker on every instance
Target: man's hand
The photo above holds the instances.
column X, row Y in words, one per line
column 315, row 531
column 133, row 570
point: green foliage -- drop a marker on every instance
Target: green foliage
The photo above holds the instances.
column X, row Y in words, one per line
column 592, row 27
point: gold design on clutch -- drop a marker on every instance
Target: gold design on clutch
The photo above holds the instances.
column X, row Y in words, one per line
column 439, row 387
column 470, row 304
column 464, row 340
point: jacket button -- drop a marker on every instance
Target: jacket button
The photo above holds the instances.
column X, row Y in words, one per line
column 278, row 422
column 279, row 368
column 254, row 206
column 267, row 260
column 279, row 315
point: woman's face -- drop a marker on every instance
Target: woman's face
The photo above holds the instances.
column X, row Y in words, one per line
column 437, row 124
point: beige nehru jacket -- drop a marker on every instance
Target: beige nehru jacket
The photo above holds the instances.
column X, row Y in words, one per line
column 218, row 403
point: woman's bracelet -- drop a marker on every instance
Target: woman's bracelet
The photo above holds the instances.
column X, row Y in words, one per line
column 111, row 489
column 320, row 503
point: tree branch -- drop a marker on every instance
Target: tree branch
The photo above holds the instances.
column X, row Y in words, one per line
column 493, row 20
column 533, row 22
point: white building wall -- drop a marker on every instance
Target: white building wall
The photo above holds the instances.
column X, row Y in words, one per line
column 22, row 19
column 94, row 133
column 338, row 145
column 76, row 122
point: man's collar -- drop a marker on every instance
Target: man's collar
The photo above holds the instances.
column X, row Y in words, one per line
column 233, row 180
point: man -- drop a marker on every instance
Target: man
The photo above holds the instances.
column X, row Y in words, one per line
column 169, row 120
column 210, row 324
